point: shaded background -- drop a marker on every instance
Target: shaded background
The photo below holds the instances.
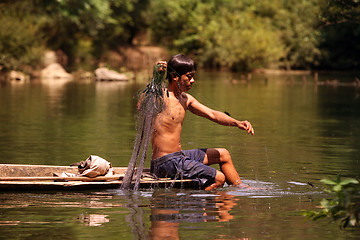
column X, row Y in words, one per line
column 236, row 35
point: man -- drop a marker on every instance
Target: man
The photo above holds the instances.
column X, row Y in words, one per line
column 168, row 158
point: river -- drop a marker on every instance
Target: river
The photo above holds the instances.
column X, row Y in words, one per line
column 303, row 132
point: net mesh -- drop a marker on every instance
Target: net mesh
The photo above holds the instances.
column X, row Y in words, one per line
column 151, row 103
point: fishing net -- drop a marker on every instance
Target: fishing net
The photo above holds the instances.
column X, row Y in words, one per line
column 151, row 103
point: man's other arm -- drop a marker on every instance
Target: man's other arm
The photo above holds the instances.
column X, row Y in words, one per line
column 216, row 116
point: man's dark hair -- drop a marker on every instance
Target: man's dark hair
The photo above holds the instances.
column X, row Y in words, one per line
column 179, row 64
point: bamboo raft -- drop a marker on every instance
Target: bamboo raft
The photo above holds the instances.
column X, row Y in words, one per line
column 17, row 177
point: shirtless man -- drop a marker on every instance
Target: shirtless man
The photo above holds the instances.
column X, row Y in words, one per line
column 168, row 158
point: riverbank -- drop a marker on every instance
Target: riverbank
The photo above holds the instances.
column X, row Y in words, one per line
column 134, row 63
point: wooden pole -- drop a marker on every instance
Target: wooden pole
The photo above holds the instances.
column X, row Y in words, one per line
column 84, row 179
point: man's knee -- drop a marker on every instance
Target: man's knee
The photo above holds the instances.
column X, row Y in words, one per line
column 224, row 155
column 217, row 155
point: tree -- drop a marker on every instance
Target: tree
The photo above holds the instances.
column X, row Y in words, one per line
column 21, row 43
column 297, row 23
column 340, row 34
column 83, row 29
column 218, row 33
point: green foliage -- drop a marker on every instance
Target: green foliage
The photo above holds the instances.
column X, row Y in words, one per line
column 336, row 11
column 239, row 35
column 344, row 204
column 297, row 22
column 340, row 34
column 95, row 23
column 83, row 29
column 21, row 44
column 236, row 41
column 243, row 35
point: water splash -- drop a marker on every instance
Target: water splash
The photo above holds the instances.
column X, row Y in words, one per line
column 151, row 103
column 273, row 190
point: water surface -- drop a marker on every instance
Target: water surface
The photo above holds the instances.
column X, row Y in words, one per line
column 303, row 133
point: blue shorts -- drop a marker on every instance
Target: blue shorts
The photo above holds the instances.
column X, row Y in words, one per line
column 187, row 164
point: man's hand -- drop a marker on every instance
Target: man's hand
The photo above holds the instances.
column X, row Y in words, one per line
column 245, row 125
column 162, row 65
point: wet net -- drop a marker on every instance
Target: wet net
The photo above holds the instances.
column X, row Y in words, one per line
column 151, row 103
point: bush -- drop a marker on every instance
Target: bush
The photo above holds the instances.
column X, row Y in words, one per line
column 21, row 43
column 241, row 35
column 344, row 204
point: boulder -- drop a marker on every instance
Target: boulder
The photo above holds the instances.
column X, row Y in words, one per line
column 49, row 57
column 57, row 56
column 105, row 74
column 54, row 71
column 83, row 75
column 17, row 76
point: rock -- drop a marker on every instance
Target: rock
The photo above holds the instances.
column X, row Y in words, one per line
column 17, row 76
column 83, row 75
column 49, row 57
column 54, row 71
column 136, row 58
column 105, row 74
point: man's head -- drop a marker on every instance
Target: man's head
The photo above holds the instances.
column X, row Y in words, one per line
column 179, row 65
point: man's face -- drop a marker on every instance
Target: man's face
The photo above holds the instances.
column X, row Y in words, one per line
column 186, row 81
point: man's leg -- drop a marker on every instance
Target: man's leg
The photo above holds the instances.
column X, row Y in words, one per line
column 223, row 158
column 219, row 181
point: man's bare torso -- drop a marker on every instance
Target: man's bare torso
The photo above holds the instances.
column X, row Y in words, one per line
column 166, row 133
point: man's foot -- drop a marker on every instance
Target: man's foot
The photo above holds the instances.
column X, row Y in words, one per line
column 243, row 186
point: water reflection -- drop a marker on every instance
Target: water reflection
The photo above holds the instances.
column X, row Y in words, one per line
column 169, row 209
column 93, row 220
column 110, row 86
column 135, row 218
column 55, row 90
column 193, row 207
column 161, row 213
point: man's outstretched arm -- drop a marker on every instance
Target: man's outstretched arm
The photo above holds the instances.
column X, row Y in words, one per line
column 216, row 116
